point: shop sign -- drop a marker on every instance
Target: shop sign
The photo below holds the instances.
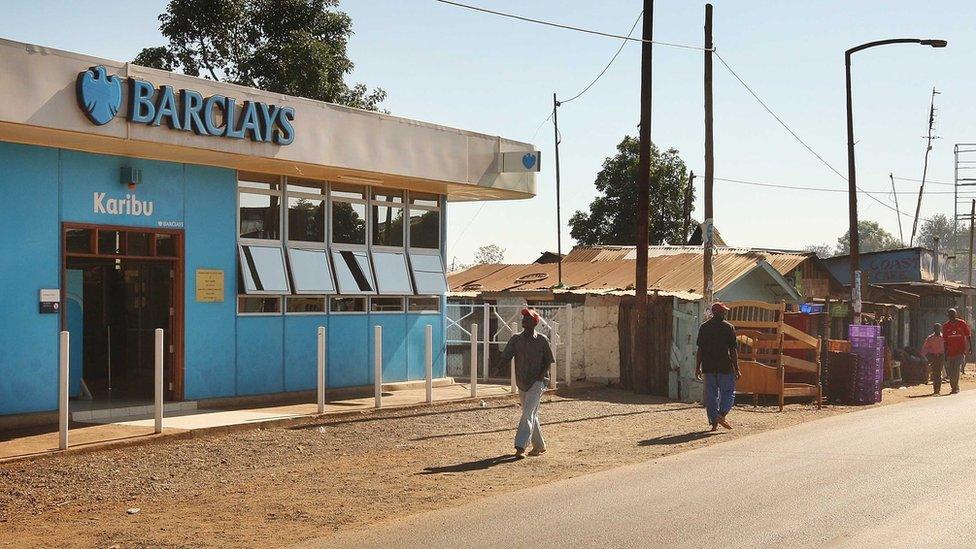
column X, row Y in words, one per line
column 100, row 98
column 519, row 162
column 129, row 205
column 838, row 310
column 210, row 286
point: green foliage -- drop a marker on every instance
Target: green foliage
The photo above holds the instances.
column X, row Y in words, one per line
column 612, row 218
column 294, row 47
column 822, row 250
column 872, row 238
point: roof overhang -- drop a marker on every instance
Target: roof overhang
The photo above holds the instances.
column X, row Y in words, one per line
column 40, row 107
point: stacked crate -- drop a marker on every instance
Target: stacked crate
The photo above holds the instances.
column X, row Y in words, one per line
column 868, row 344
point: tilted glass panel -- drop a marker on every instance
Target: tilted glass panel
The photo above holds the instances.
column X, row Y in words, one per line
column 311, row 272
column 392, row 276
column 263, row 270
column 353, row 272
column 428, row 274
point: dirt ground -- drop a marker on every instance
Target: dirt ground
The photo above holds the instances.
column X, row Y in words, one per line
column 276, row 487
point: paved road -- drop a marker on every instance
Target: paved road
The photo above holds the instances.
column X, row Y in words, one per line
column 897, row 476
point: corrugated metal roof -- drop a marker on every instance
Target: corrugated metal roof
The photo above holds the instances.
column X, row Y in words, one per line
column 681, row 272
column 782, row 261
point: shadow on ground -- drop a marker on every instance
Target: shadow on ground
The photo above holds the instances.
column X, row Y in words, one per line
column 468, row 466
column 671, row 440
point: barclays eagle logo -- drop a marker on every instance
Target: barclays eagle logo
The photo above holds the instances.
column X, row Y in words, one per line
column 99, row 95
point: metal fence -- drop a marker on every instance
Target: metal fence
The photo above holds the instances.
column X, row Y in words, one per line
column 493, row 325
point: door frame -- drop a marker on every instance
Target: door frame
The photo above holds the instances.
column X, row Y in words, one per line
column 175, row 384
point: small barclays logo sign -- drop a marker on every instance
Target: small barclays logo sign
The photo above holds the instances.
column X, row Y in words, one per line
column 99, row 95
column 528, row 160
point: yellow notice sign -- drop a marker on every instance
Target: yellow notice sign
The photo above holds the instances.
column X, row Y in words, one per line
column 210, row 285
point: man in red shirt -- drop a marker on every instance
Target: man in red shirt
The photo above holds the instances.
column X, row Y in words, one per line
column 957, row 342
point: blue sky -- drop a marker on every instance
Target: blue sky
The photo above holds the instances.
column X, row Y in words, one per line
column 461, row 68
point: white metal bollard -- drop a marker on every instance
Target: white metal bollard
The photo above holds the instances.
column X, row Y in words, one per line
column 474, row 360
column 320, row 368
column 158, row 381
column 485, row 338
column 429, row 362
column 378, row 365
column 514, row 388
column 63, row 390
column 554, row 369
column 569, row 345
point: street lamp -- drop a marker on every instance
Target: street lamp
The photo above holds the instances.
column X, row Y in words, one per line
column 851, row 176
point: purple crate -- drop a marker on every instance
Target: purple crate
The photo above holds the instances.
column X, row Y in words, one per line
column 864, row 330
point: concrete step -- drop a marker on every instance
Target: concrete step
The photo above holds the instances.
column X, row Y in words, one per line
column 125, row 413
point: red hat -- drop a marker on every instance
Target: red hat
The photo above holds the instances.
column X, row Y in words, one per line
column 531, row 313
column 718, row 306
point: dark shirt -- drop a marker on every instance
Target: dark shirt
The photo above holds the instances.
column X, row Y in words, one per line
column 716, row 340
column 533, row 355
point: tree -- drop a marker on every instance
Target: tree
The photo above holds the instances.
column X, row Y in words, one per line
column 950, row 241
column 294, row 47
column 872, row 237
column 489, row 254
column 612, row 218
column 822, row 250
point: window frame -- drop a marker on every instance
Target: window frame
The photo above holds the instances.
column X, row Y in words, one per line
column 369, row 264
column 402, row 205
column 401, row 298
column 265, row 192
column 277, row 297
column 326, row 213
column 431, row 253
column 330, row 241
column 436, row 298
column 411, row 207
column 291, row 271
column 364, row 298
column 323, row 298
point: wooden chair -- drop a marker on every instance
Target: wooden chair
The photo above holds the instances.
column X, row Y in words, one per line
column 762, row 337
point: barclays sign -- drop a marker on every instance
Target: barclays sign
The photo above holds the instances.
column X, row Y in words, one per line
column 100, row 98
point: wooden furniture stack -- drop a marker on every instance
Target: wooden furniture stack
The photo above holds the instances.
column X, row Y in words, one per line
column 766, row 369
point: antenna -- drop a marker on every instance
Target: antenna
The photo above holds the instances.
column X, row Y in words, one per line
column 925, row 164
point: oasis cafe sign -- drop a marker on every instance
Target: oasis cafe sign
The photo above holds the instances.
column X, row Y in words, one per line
column 100, row 98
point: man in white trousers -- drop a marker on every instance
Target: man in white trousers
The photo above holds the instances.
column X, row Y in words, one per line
column 533, row 356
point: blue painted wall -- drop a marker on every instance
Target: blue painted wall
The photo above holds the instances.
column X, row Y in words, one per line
column 348, row 350
column 211, row 243
column 225, row 354
column 30, row 242
column 300, row 349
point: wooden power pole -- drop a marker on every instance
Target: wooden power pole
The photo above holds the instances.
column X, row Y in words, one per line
column 642, row 381
column 708, row 226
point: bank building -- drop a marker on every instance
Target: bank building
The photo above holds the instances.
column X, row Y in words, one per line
column 237, row 220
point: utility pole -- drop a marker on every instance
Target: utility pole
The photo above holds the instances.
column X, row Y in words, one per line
column 641, row 340
column 901, row 235
column 559, row 226
column 686, row 210
column 925, row 165
column 708, row 226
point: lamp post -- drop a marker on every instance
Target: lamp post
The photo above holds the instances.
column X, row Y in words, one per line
column 851, row 175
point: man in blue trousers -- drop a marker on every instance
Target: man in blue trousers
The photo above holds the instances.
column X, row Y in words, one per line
column 533, row 356
column 717, row 361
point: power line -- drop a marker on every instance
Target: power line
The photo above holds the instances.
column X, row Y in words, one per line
column 800, row 140
column 819, row 189
column 612, row 59
column 927, row 181
column 568, row 27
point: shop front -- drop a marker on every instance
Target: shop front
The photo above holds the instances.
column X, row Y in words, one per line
column 236, row 220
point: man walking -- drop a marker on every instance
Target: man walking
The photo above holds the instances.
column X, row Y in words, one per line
column 956, row 334
column 717, row 361
column 533, row 356
column 934, row 351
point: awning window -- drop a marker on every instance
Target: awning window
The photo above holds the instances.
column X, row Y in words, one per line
column 263, row 270
column 310, row 271
column 353, row 272
column 428, row 274
column 392, row 276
